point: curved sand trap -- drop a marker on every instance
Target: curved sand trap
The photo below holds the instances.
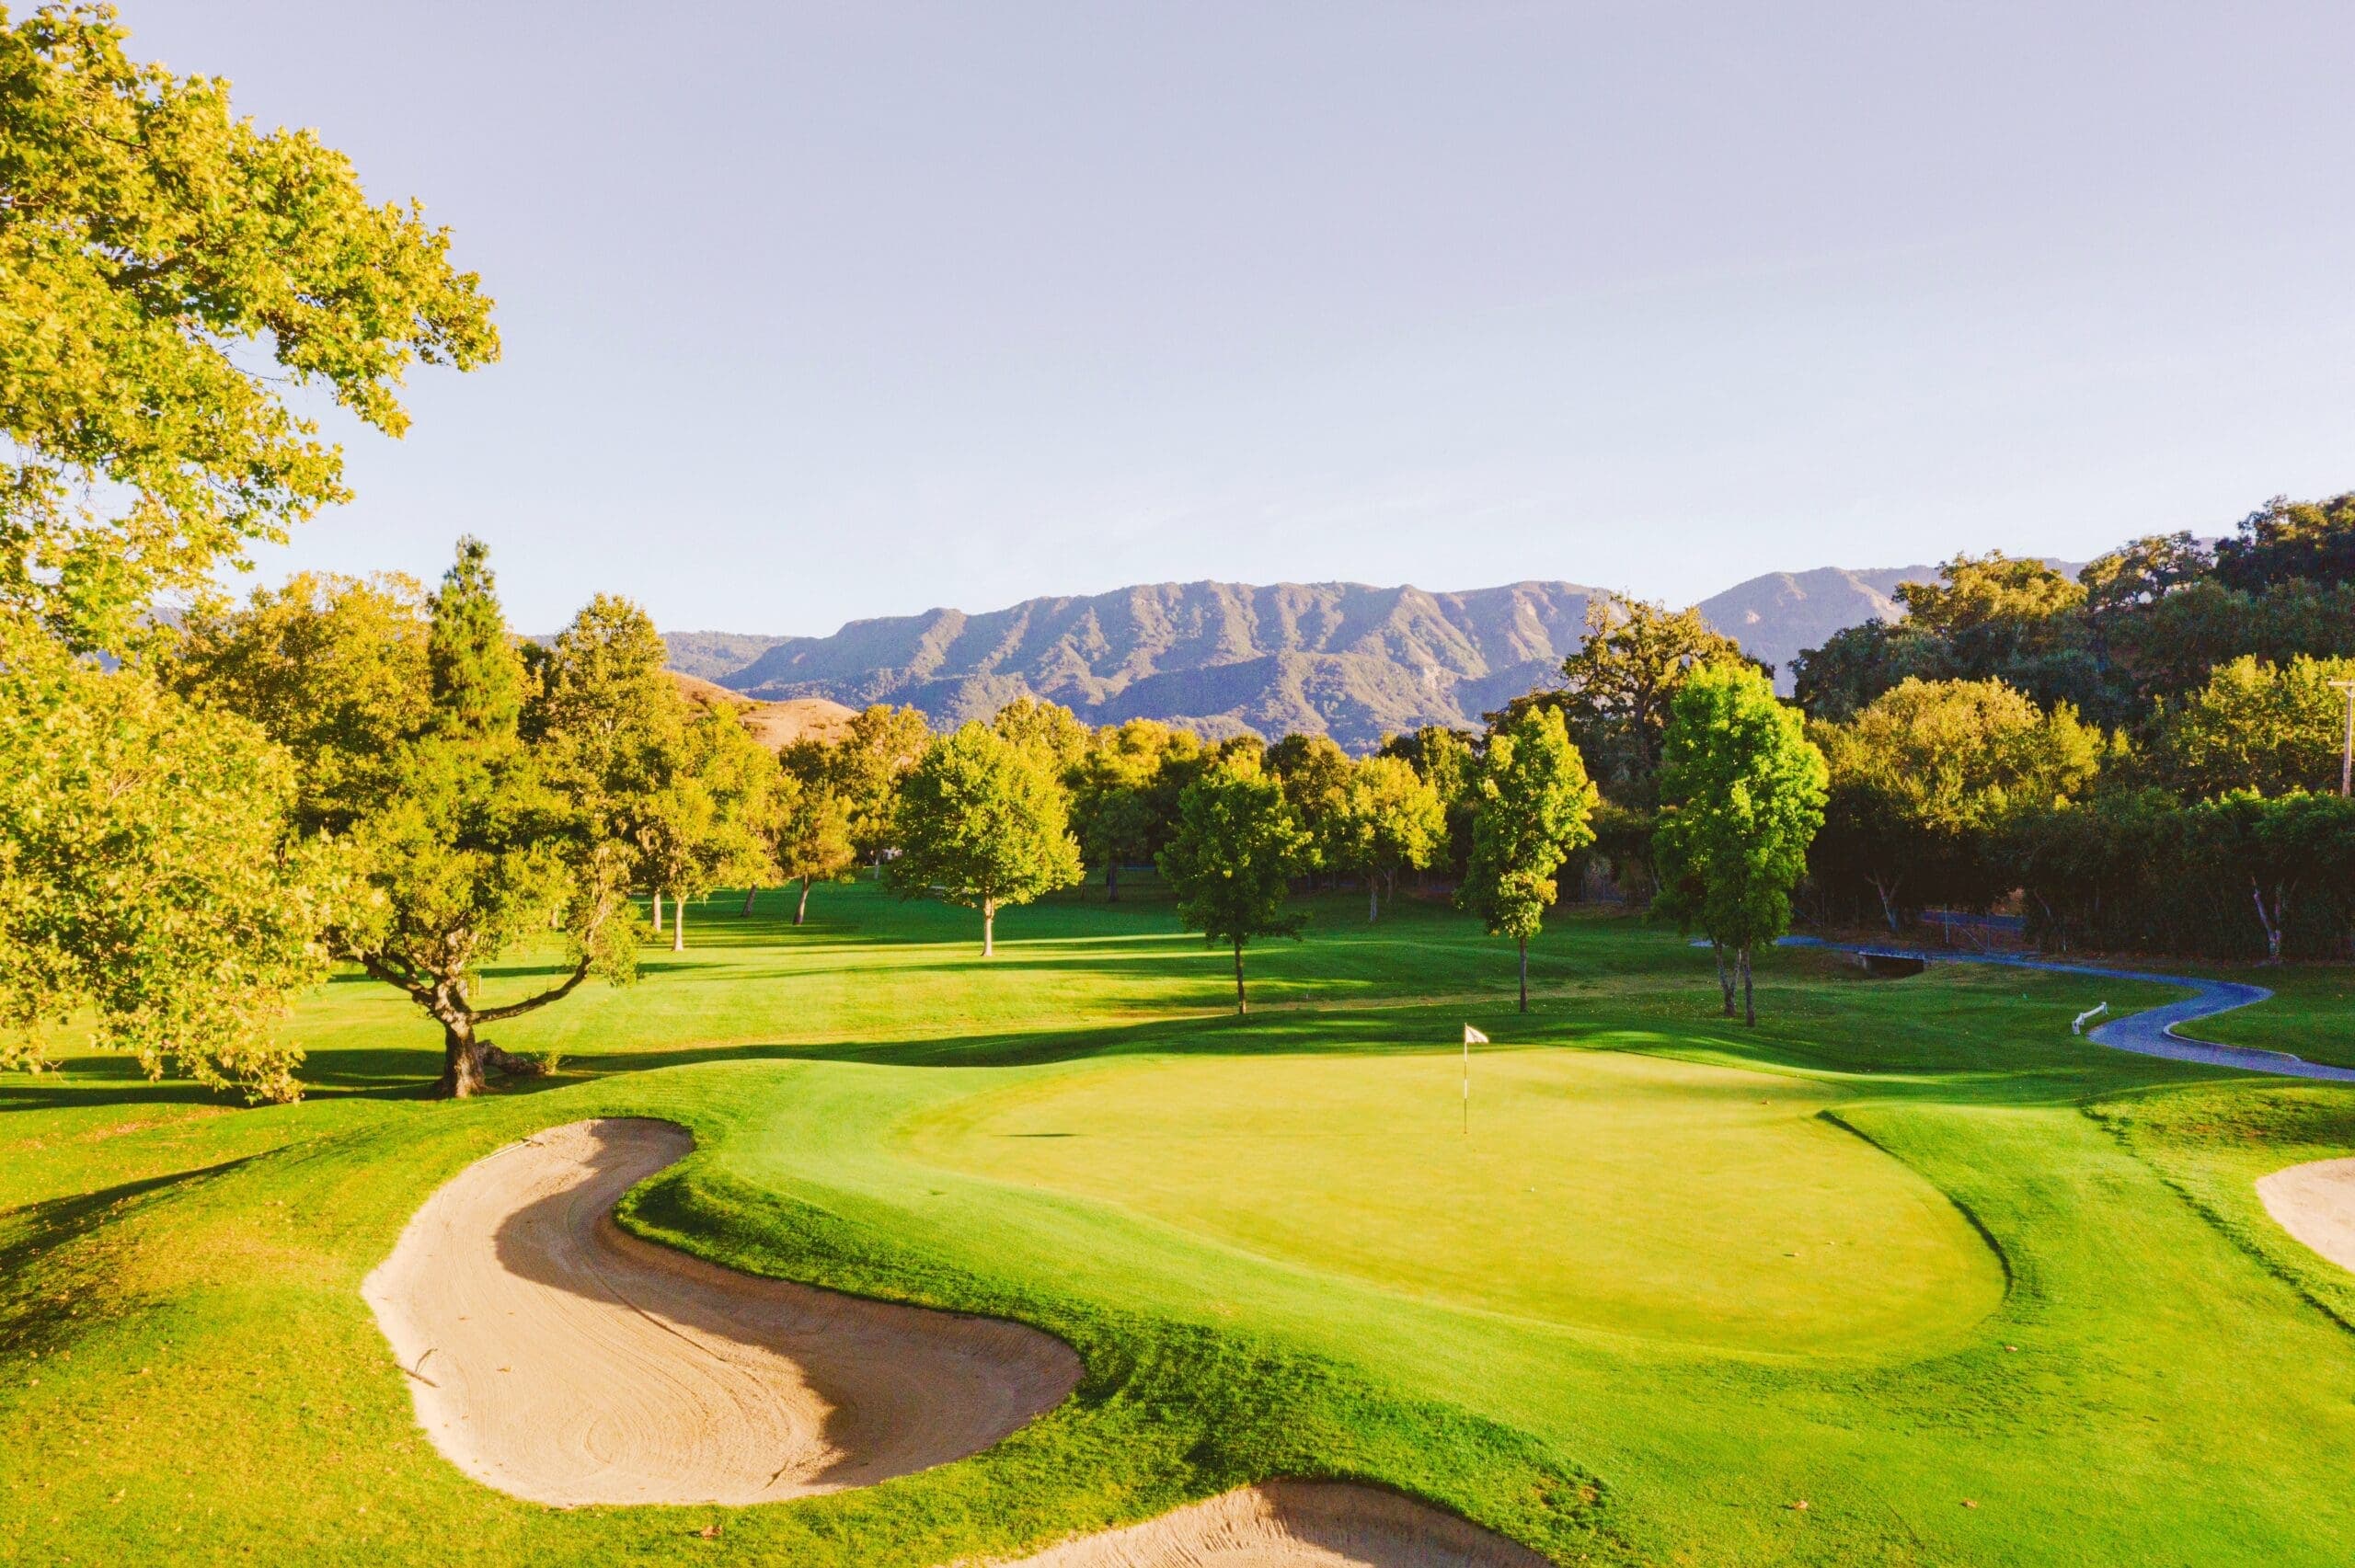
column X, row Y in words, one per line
column 2316, row 1203
column 557, row 1358
column 1295, row 1524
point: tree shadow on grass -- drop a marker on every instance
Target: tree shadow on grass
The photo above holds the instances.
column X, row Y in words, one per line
column 50, row 1305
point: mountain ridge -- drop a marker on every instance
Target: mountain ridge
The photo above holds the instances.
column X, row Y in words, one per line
column 1352, row 660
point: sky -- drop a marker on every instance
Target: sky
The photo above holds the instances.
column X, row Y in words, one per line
column 820, row 312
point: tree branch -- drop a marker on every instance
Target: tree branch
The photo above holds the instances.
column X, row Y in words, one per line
column 554, row 993
column 401, row 978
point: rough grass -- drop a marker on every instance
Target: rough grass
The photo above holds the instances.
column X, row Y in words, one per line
column 2136, row 1371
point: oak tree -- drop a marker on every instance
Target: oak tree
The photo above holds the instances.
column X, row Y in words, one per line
column 170, row 275
column 1921, row 777
column 148, row 873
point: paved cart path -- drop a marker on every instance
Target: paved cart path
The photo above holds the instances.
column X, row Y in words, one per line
column 2151, row 1032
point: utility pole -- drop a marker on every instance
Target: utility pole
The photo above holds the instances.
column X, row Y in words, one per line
column 2347, row 757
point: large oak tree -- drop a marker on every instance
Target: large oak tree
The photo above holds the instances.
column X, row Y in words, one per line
column 169, row 274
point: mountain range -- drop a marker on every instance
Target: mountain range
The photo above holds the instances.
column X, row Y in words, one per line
column 1343, row 660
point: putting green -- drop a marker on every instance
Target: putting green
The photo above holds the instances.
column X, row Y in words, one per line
column 1634, row 1195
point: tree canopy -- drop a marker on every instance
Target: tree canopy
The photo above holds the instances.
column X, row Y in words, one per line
column 1616, row 689
column 709, row 820
column 1050, row 729
column 1925, row 773
column 2256, row 726
column 876, row 752
column 810, row 835
column 1391, row 817
column 1741, row 797
column 1124, row 796
column 1237, row 846
column 2285, row 540
column 1535, row 802
column 1315, row 775
column 982, row 823
column 169, row 274
column 1448, row 761
column 147, row 873
column 2145, row 622
column 475, row 828
column 332, row 668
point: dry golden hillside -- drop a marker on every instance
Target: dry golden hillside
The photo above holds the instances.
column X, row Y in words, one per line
column 771, row 723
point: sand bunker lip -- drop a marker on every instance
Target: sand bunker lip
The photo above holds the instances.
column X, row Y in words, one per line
column 559, row 1359
column 2316, row 1203
column 1295, row 1524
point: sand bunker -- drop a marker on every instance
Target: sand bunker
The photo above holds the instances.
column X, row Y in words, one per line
column 2316, row 1203
column 1295, row 1524
column 557, row 1358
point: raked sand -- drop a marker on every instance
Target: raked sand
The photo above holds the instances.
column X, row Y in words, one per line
column 2316, row 1203
column 1294, row 1524
column 557, row 1358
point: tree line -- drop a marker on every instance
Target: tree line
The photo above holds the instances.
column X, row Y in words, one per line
column 2148, row 757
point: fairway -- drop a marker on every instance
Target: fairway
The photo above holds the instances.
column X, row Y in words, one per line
column 1580, row 1326
column 1635, row 1196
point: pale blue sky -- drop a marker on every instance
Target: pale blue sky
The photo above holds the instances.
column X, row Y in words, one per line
column 817, row 312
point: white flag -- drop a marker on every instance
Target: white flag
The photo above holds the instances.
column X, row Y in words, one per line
column 1473, row 1036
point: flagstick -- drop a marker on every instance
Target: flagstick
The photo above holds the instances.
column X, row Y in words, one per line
column 1471, row 1038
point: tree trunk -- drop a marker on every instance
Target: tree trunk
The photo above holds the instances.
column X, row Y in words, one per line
column 658, row 912
column 678, row 925
column 748, row 894
column 1525, row 974
column 1749, row 1008
column 1241, row 1003
column 1725, row 975
column 1112, row 883
column 2270, row 919
column 461, row 1058
column 1372, row 897
column 989, row 928
column 1888, row 903
column 801, row 910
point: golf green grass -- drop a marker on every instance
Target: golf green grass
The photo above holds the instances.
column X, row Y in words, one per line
column 2034, row 1315
column 1620, row 1193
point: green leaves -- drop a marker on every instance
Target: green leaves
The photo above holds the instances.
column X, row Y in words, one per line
column 1616, row 689
column 1741, row 797
column 1535, row 802
column 144, row 873
column 154, row 244
column 1390, row 818
column 1921, row 778
column 2256, row 726
column 1238, row 844
column 982, row 823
